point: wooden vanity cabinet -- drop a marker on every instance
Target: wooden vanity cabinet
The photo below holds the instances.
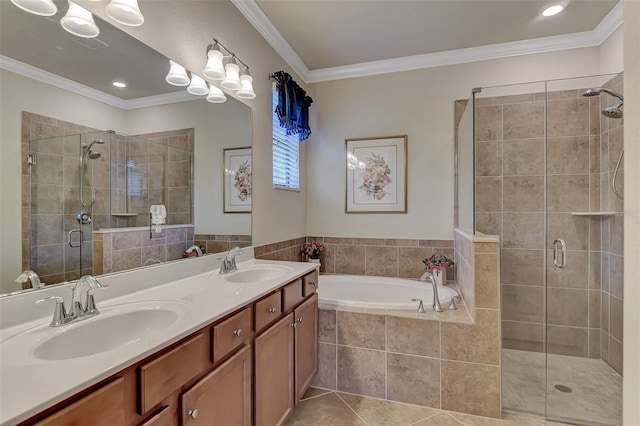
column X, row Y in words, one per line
column 306, row 344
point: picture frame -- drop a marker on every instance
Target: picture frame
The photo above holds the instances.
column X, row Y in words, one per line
column 376, row 169
column 237, row 183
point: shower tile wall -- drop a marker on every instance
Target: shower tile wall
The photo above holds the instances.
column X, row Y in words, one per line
column 510, row 190
column 50, row 196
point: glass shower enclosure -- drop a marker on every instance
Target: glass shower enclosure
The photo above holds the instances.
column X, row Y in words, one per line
column 541, row 160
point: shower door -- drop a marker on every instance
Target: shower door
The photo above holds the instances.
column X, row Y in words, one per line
column 60, row 234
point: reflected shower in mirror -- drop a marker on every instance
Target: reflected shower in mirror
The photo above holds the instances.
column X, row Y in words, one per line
column 93, row 188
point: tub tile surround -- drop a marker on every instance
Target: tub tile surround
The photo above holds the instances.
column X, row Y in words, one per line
column 582, row 150
column 217, row 243
column 443, row 361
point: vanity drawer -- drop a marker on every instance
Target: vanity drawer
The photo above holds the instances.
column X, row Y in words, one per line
column 169, row 372
column 231, row 333
column 102, row 407
column 268, row 310
column 292, row 295
column 310, row 283
column 162, row 418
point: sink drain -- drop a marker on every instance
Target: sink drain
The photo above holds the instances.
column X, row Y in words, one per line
column 563, row 388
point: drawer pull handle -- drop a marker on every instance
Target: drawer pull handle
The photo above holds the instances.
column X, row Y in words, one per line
column 313, row 283
column 237, row 332
column 193, row 413
column 300, row 320
column 272, row 310
column 294, row 325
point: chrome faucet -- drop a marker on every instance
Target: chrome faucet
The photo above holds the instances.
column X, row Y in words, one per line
column 228, row 262
column 77, row 311
column 30, row 276
column 436, row 302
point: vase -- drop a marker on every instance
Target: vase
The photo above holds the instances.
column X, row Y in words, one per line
column 440, row 277
column 313, row 260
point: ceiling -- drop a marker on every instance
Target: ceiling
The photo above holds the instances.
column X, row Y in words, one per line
column 327, row 38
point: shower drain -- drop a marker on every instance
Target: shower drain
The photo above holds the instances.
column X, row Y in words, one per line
column 563, row 388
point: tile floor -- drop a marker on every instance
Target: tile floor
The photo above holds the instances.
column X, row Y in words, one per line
column 321, row 407
column 596, row 388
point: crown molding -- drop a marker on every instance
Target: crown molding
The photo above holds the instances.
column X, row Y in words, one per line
column 253, row 13
column 43, row 76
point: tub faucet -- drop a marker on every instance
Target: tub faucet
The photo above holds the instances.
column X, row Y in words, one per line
column 436, row 302
column 30, row 276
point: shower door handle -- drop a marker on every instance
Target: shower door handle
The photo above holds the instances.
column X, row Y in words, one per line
column 559, row 253
column 75, row 244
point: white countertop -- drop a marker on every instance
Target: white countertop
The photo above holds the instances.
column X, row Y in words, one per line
column 29, row 385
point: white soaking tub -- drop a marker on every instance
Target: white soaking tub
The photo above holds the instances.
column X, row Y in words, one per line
column 379, row 292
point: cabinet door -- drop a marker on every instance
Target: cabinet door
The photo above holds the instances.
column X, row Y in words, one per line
column 306, row 344
column 223, row 397
column 274, row 394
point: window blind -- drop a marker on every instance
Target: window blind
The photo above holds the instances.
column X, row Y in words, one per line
column 286, row 165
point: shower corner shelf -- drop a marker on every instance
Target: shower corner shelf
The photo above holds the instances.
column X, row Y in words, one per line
column 124, row 214
column 593, row 213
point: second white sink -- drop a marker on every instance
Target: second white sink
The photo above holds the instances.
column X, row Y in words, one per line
column 262, row 273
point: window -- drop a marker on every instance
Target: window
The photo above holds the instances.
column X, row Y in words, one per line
column 286, row 164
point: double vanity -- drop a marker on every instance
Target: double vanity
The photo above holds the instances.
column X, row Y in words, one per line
column 174, row 344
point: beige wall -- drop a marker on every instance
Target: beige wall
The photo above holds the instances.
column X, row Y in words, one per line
column 419, row 104
column 611, row 53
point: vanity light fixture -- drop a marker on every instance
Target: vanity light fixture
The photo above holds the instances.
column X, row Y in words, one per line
column 197, row 86
column 246, row 81
column 125, row 12
column 177, row 75
column 37, row 7
column 216, row 95
column 232, row 81
column 120, row 84
column 552, row 10
column 79, row 22
column 215, row 67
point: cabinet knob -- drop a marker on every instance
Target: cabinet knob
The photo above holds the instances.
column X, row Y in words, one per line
column 300, row 320
column 193, row 414
column 313, row 283
column 237, row 332
column 272, row 310
column 294, row 325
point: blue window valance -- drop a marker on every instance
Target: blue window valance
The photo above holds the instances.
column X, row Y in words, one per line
column 293, row 106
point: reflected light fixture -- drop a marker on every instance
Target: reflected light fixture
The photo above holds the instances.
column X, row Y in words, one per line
column 198, row 86
column 79, row 22
column 120, row 84
column 216, row 95
column 37, row 7
column 177, row 75
column 214, row 68
column 552, row 10
column 246, row 81
column 125, row 12
column 232, row 81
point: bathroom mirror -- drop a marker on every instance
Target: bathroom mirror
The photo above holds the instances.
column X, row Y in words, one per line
column 164, row 146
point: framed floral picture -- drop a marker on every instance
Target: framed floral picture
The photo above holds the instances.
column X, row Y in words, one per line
column 376, row 175
column 237, row 180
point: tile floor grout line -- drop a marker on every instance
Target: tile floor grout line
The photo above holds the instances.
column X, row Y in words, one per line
column 426, row 418
column 350, row 408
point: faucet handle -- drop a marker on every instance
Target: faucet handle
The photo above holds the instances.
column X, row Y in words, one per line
column 420, row 305
column 90, row 306
column 452, row 305
column 59, row 314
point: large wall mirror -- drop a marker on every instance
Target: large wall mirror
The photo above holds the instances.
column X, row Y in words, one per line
column 95, row 158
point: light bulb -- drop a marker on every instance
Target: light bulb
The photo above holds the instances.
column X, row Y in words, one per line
column 232, row 82
column 198, row 86
column 216, row 95
column 177, row 75
column 125, row 12
column 214, row 68
column 79, row 22
column 246, row 91
column 37, row 7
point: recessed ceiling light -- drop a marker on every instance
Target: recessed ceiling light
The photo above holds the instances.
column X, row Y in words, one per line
column 119, row 84
column 552, row 10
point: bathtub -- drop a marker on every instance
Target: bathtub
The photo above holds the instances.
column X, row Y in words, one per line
column 378, row 292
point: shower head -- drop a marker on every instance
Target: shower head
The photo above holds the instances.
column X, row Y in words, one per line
column 613, row 112
column 90, row 151
column 93, row 154
column 597, row 90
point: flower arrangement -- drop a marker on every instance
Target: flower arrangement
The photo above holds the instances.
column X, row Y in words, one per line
column 243, row 181
column 438, row 261
column 312, row 250
column 376, row 177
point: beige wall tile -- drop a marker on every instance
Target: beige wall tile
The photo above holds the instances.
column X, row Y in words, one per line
column 615, row 355
column 573, row 275
column 568, row 193
column 523, row 336
column 489, row 223
column 174, row 251
column 378, row 412
column 523, row 194
column 595, row 297
column 559, row 110
column 568, row 155
column 410, row 379
column 523, row 157
column 567, row 341
column 615, row 318
column 413, row 336
column 381, row 261
column 487, row 280
column 568, row 307
column 326, row 376
column 328, row 259
column 522, row 303
column 361, row 371
column 524, row 267
column 573, row 229
column 477, row 342
column 616, row 275
column 488, row 194
column 126, row 240
column 126, row 259
column 523, row 230
column 480, row 385
column 410, row 261
column 361, row 330
column 327, row 326
column 489, row 158
column 594, row 343
column 153, row 252
column 487, row 248
column 350, row 259
column 523, row 120
column 488, row 123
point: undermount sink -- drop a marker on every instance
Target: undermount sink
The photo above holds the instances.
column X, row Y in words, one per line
column 257, row 274
column 116, row 327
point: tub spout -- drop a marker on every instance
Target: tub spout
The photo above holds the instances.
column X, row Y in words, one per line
column 436, row 302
